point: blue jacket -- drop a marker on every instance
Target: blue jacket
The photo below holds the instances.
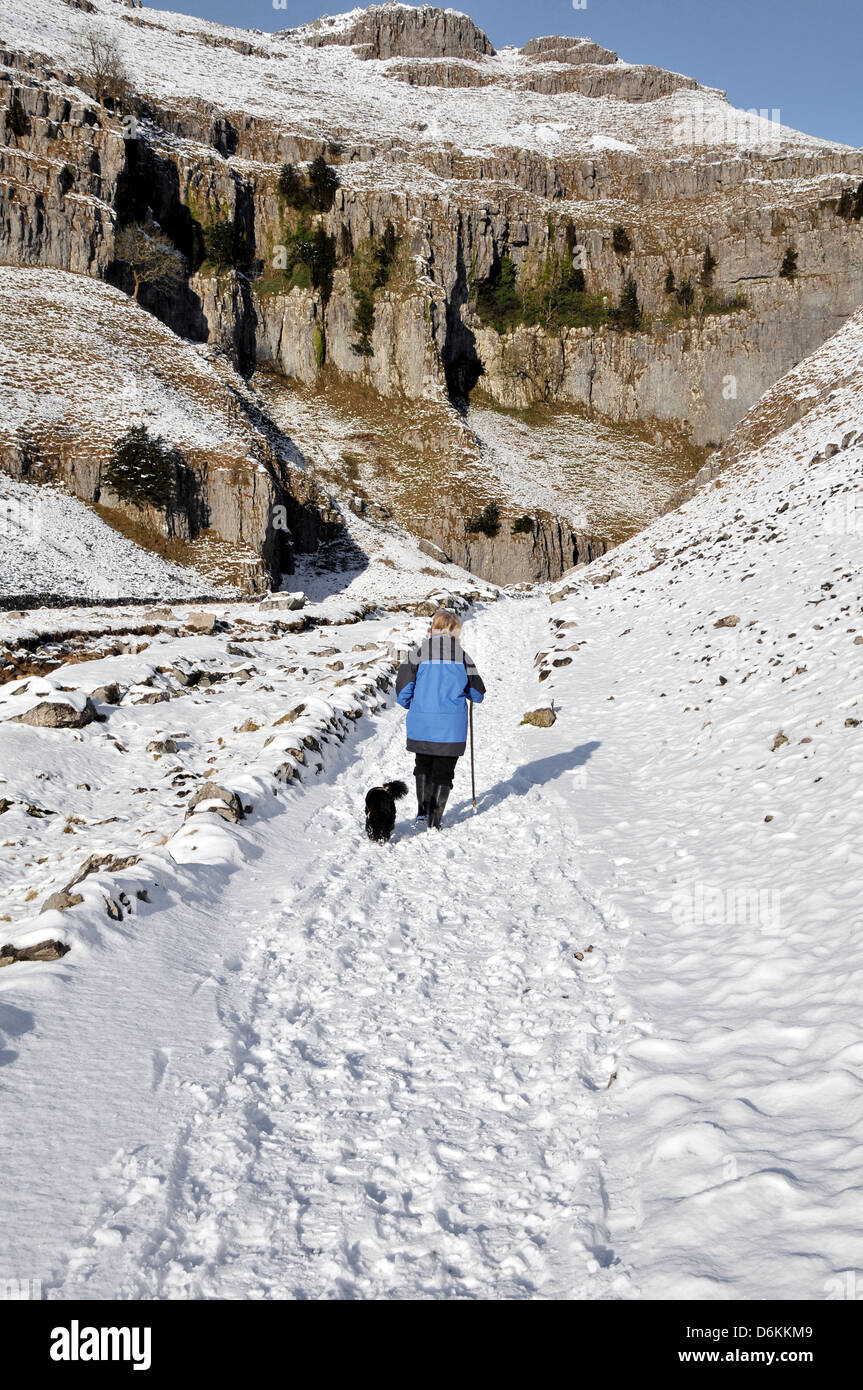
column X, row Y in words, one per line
column 434, row 685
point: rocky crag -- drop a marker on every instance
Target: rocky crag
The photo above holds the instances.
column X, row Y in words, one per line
column 552, row 225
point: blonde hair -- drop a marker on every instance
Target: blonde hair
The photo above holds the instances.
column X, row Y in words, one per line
column 445, row 620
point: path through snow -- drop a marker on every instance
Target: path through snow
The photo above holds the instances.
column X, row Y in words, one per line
column 415, row 1061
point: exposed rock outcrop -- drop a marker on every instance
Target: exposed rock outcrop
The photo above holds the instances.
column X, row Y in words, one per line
column 459, row 205
column 557, row 48
column 401, row 31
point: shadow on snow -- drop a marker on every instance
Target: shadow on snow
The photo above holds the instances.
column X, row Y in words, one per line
column 535, row 774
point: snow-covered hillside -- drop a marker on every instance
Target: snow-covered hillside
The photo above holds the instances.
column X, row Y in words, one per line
column 328, row 92
column 53, row 545
column 601, row 1039
column 718, row 661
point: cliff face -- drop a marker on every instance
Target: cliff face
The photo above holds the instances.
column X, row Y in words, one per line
column 400, row 31
column 476, row 161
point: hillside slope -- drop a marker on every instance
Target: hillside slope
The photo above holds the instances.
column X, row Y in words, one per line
column 79, row 363
column 718, row 660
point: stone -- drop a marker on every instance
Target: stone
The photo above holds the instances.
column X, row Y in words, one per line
column 201, row 620
column 61, row 901
column 434, row 552
column 291, row 715
column 778, row 741
column 163, row 745
column 284, row 602
column 402, row 31
column 110, row 694
column 541, row 718
column 731, row 621
column 96, row 863
column 58, row 714
column 43, row 951
column 220, row 801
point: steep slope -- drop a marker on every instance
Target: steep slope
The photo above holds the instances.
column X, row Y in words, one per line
column 80, row 362
column 55, row 549
column 718, row 661
column 505, row 177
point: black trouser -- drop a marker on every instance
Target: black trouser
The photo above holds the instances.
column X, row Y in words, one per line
column 439, row 771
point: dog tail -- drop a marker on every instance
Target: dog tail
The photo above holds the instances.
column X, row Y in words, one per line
column 396, row 790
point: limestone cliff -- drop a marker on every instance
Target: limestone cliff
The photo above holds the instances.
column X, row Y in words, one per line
column 739, row 241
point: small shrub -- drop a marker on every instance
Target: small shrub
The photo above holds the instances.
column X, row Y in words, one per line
column 556, row 298
column 628, row 312
column 522, row 526
column 311, row 260
column 685, row 294
column 320, row 345
column 323, row 182
column 370, row 272
column 788, row 269
column 620, row 241
column 141, row 469
column 850, row 204
column 291, row 188
column 314, row 193
column 708, row 267
column 670, row 283
column 724, row 304
column 220, row 243
column 486, row 523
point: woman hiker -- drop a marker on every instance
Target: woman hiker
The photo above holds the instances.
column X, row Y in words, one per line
column 434, row 685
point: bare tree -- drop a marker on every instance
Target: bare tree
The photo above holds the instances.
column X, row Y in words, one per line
column 104, row 67
column 151, row 257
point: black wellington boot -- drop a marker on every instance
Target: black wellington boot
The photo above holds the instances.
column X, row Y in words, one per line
column 437, row 806
column 422, row 796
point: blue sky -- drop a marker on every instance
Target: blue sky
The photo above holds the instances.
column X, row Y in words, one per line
column 802, row 56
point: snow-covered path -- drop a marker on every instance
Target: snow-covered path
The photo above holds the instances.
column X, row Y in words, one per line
column 414, row 1063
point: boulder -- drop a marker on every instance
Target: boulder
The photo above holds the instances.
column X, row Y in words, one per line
column 218, row 800
column 541, row 718
column 291, row 715
column 110, row 694
column 94, row 863
column 163, row 745
column 61, row 901
column 58, row 714
column 290, row 603
column 43, row 950
column 201, row 620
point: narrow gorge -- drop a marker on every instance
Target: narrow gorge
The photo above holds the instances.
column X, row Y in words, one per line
column 546, row 233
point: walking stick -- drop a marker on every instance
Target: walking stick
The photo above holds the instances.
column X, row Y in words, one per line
column 472, row 768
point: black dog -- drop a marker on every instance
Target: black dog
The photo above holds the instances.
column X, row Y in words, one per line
column 381, row 810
